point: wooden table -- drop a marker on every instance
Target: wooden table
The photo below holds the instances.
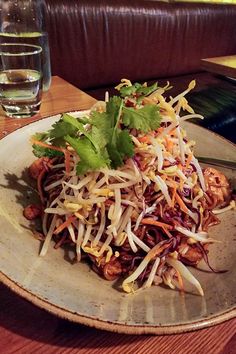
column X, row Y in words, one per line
column 62, row 97
column 25, row 328
column 225, row 66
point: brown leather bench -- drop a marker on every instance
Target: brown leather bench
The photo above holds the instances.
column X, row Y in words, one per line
column 96, row 43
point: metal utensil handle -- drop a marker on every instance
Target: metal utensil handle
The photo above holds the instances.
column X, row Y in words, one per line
column 217, row 162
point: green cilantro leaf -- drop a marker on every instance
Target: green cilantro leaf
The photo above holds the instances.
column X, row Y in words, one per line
column 107, row 121
column 115, row 156
column 40, row 151
column 113, row 110
column 120, row 145
column 147, row 90
column 80, row 127
column 101, row 128
column 100, row 136
column 90, row 159
column 105, row 129
column 144, row 119
column 60, row 129
column 124, row 143
column 100, row 140
column 129, row 90
column 137, row 89
column 120, row 148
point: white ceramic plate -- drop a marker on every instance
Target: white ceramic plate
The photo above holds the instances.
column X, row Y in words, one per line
column 74, row 291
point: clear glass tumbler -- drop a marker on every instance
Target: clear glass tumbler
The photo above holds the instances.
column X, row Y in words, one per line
column 20, row 79
column 23, row 21
column 34, row 38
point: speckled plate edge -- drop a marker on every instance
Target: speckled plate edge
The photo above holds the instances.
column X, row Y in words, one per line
column 110, row 326
column 116, row 327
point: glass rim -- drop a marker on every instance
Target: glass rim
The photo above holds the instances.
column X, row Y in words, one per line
column 37, row 48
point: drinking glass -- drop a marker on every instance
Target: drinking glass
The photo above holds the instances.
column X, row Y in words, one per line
column 20, row 79
column 35, row 38
column 23, row 21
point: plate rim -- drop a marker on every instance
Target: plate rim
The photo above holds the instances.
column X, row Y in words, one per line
column 111, row 326
column 97, row 323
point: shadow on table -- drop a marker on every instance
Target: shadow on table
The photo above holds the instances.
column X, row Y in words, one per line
column 21, row 318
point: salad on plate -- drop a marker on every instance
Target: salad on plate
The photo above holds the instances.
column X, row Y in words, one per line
column 122, row 186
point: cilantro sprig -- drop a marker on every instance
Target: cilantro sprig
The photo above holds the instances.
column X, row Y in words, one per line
column 144, row 119
column 137, row 90
column 103, row 138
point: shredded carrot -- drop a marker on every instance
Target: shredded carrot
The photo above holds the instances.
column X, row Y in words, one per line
column 67, row 161
column 150, row 221
column 65, row 224
column 56, row 148
column 173, row 132
column 181, row 203
column 143, row 165
column 172, row 183
column 160, row 130
column 164, row 177
column 161, row 210
column 180, row 167
column 173, row 196
column 167, row 232
column 181, row 184
column 155, row 251
column 41, row 143
column 144, row 139
column 169, row 144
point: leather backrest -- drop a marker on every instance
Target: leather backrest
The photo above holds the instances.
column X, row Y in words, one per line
column 97, row 42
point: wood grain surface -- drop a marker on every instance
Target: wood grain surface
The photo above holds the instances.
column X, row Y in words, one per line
column 25, row 328
column 225, row 66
